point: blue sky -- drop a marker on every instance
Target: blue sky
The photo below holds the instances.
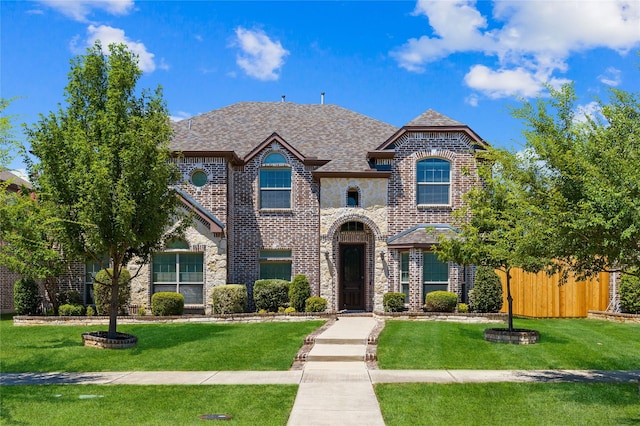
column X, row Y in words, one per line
column 389, row 60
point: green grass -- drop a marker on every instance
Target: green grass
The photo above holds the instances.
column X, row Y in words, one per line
column 145, row 405
column 202, row 346
column 564, row 344
column 509, row 403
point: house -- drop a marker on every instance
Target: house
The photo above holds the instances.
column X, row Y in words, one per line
column 280, row 189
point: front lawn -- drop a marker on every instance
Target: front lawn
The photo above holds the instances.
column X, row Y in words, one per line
column 145, row 405
column 509, row 404
column 186, row 346
column 564, row 344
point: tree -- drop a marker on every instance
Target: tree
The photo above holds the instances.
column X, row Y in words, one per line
column 6, row 136
column 105, row 164
column 496, row 228
column 30, row 245
column 587, row 183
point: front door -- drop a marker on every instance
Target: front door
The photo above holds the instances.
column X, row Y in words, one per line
column 352, row 276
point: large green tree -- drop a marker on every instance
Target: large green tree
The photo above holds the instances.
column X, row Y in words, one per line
column 496, row 228
column 6, row 135
column 103, row 161
column 587, row 179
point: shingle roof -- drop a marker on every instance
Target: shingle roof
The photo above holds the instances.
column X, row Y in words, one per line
column 431, row 118
column 423, row 235
column 15, row 180
column 328, row 132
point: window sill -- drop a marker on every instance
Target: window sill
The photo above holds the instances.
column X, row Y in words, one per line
column 446, row 207
column 276, row 211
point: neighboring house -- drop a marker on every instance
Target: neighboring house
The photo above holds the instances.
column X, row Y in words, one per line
column 281, row 189
column 7, row 279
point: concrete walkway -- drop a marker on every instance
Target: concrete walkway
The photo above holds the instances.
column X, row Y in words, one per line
column 335, row 386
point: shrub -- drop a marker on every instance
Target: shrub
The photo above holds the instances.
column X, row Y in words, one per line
column 90, row 311
column 486, row 294
column 270, row 294
column 629, row 292
column 290, row 310
column 393, row 302
column 299, row 292
column 26, row 297
column 315, row 304
column 69, row 297
column 463, row 308
column 142, row 311
column 69, row 309
column 229, row 299
column 165, row 303
column 102, row 291
column 441, row 301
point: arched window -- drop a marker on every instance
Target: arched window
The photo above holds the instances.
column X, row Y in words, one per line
column 275, row 182
column 433, row 177
column 352, row 227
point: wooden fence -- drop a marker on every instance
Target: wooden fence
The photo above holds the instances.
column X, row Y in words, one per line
column 540, row 295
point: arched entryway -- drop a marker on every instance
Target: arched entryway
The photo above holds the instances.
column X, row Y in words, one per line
column 353, row 245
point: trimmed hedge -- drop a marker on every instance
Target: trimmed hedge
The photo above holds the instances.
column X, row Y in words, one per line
column 441, row 301
column 486, row 294
column 102, row 291
column 71, row 310
column 393, row 302
column 26, row 297
column 229, row 299
column 166, row 303
column 629, row 291
column 269, row 295
column 315, row 304
column 299, row 292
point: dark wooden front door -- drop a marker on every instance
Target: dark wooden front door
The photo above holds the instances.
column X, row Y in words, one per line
column 352, row 276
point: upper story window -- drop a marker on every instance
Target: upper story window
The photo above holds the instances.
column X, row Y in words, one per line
column 199, row 178
column 353, row 197
column 433, row 177
column 275, row 182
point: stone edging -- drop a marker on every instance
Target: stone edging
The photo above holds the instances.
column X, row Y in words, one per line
column 614, row 316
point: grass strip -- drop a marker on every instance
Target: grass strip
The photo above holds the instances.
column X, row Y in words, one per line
column 564, row 344
column 145, row 405
column 509, row 403
column 190, row 347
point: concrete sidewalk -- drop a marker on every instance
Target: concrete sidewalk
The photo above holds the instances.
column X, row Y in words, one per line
column 317, row 371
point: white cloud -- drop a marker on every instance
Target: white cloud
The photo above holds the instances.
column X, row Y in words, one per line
column 611, row 77
column 531, row 40
column 501, row 83
column 591, row 110
column 79, row 10
column 180, row 115
column 109, row 35
column 260, row 57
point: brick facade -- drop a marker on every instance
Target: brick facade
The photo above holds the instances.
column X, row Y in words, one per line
column 345, row 169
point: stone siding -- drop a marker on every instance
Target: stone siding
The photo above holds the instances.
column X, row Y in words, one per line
column 372, row 213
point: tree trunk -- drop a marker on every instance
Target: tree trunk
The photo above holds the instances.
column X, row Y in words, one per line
column 509, row 299
column 113, row 305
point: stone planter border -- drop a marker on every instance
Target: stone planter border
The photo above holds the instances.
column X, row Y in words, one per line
column 98, row 339
column 518, row 336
